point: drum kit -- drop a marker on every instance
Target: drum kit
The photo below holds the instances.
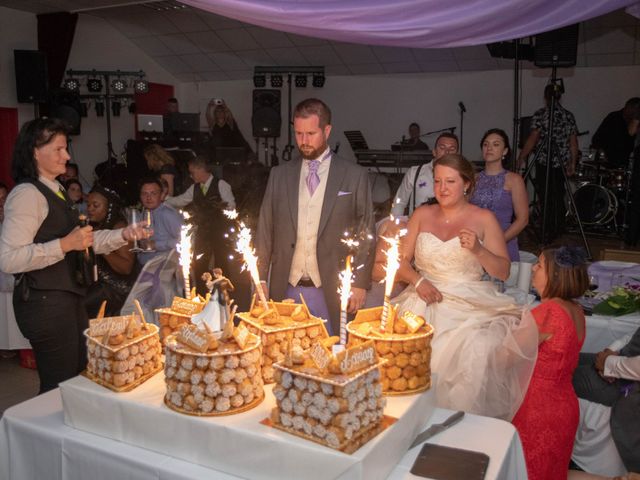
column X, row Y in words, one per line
column 601, row 192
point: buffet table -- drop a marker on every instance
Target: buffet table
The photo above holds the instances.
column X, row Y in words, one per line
column 36, row 443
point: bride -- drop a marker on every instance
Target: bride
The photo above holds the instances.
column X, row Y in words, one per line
column 484, row 348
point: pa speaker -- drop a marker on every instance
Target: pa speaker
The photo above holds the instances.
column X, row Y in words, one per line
column 66, row 106
column 32, row 79
column 557, row 48
column 266, row 119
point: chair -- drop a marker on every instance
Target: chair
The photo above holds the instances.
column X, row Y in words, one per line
column 156, row 285
column 620, row 255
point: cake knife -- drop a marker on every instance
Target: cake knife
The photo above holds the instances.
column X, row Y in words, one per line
column 437, row 428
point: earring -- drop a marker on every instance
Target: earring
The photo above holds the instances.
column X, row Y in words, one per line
column 464, row 192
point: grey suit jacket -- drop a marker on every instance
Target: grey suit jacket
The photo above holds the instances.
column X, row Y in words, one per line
column 347, row 206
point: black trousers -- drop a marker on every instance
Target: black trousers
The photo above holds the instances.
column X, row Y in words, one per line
column 53, row 321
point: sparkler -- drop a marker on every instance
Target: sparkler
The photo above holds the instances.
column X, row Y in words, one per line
column 244, row 246
column 344, row 290
column 184, row 249
column 393, row 263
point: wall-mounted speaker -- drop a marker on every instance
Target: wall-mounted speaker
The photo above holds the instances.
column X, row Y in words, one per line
column 32, row 80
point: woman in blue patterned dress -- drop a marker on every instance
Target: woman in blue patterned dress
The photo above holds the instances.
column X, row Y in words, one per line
column 501, row 191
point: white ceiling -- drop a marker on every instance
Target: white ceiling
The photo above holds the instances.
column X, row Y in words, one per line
column 195, row 45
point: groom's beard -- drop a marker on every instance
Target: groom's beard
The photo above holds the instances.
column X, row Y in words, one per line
column 310, row 153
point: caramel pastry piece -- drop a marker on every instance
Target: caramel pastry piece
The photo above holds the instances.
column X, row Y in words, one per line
column 330, row 341
column 116, row 339
column 288, row 300
column 103, row 307
column 298, row 314
column 257, row 311
column 213, row 341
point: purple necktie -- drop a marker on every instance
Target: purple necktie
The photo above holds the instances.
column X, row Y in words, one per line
column 313, row 179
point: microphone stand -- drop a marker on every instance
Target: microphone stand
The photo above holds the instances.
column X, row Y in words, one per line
column 462, row 110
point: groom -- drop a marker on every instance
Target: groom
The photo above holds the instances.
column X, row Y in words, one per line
column 308, row 206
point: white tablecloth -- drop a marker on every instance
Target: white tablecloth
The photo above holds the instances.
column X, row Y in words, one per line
column 36, row 444
column 602, row 330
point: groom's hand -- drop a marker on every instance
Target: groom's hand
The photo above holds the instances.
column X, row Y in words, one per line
column 356, row 300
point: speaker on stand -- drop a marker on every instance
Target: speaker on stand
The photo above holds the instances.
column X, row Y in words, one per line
column 266, row 120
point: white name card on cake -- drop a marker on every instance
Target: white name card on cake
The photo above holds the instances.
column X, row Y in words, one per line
column 99, row 327
column 193, row 338
column 355, row 358
column 186, row 307
column 320, row 355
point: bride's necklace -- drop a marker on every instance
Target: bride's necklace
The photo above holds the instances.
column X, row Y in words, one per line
column 453, row 217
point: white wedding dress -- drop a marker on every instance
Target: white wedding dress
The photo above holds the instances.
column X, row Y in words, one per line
column 484, row 346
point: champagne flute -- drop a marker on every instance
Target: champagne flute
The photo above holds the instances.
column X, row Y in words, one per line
column 147, row 226
column 133, row 217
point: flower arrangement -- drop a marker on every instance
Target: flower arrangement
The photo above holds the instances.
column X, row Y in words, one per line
column 621, row 301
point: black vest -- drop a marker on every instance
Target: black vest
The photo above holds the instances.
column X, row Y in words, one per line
column 207, row 209
column 61, row 219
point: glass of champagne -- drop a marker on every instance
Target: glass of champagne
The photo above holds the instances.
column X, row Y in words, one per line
column 133, row 218
column 147, row 226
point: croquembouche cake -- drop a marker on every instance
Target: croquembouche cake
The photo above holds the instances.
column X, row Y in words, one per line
column 405, row 344
column 273, row 325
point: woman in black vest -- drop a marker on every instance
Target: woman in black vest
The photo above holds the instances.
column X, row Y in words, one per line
column 44, row 246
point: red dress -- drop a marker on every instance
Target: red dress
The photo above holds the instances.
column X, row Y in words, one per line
column 548, row 418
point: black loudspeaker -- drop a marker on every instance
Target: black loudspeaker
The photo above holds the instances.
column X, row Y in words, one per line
column 66, row 106
column 32, row 78
column 266, row 119
column 557, row 48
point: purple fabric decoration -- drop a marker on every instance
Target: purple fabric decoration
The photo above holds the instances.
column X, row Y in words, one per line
column 313, row 179
column 412, row 23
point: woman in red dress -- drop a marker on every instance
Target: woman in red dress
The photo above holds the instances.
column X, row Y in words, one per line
column 548, row 417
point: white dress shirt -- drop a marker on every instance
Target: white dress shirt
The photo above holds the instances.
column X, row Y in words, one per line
column 424, row 189
column 186, row 198
column 25, row 210
column 622, row 367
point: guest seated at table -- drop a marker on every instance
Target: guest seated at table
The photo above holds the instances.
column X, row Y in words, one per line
column 165, row 220
column 484, row 348
column 611, row 378
column 74, row 190
column 117, row 270
column 501, row 191
column 385, row 228
column 548, row 418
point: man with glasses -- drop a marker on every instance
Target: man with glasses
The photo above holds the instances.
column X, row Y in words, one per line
column 417, row 185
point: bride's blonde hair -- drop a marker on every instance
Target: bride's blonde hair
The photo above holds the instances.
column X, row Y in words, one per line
column 462, row 166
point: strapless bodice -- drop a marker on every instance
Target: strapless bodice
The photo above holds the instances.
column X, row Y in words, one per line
column 446, row 261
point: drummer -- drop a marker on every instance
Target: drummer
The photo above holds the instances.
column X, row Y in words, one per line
column 616, row 134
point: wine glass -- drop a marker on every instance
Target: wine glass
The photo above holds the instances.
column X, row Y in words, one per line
column 593, row 283
column 147, row 225
column 134, row 217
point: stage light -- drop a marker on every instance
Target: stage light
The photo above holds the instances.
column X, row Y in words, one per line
column 318, row 80
column 115, row 108
column 259, row 81
column 118, row 85
column 301, row 81
column 72, row 84
column 99, row 109
column 276, row 81
column 141, row 86
column 94, row 85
